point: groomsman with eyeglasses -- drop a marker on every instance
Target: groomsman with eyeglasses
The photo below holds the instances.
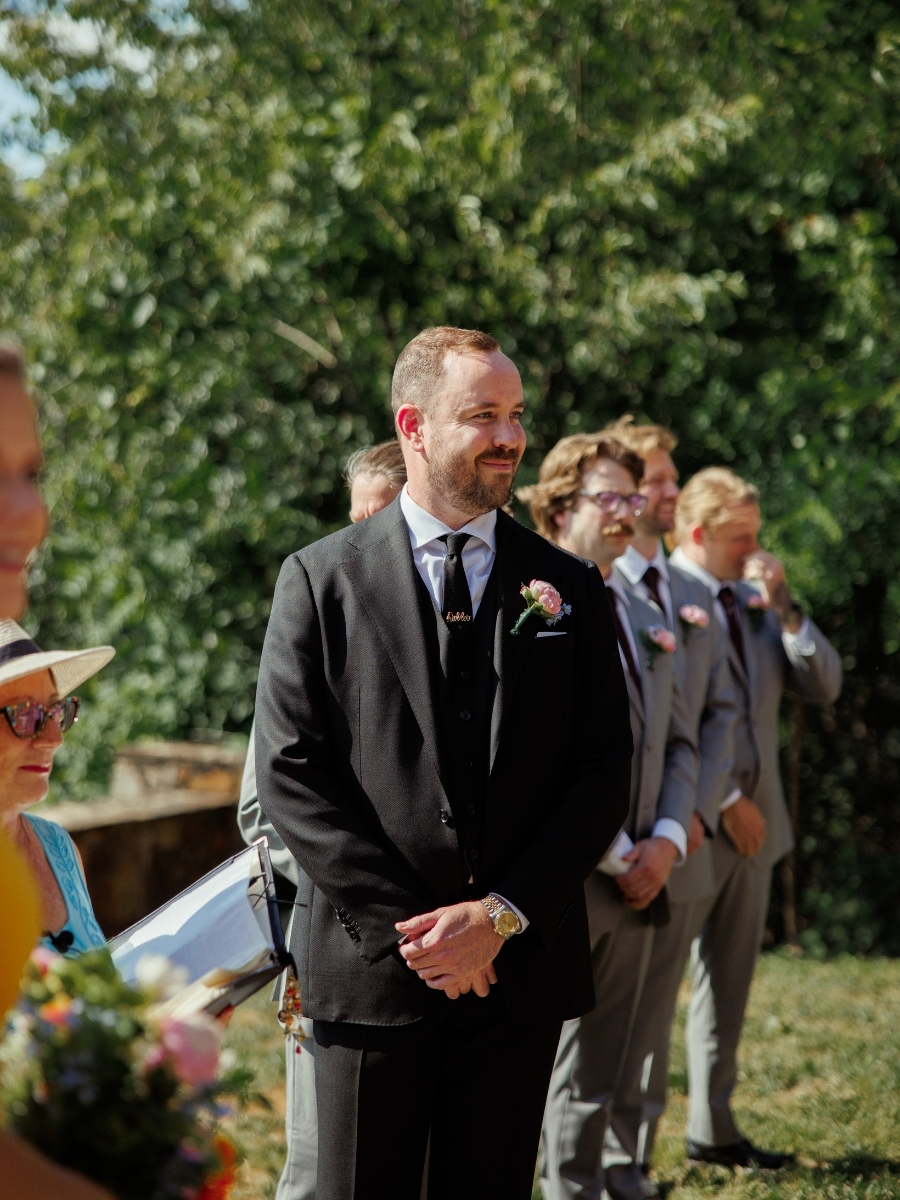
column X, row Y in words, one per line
column 586, row 501
column 774, row 649
column 684, row 603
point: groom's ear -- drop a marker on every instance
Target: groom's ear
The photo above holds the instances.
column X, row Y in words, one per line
column 410, row 423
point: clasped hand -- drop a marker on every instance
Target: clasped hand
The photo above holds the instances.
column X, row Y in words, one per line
column 453, row 949
column 653, row 859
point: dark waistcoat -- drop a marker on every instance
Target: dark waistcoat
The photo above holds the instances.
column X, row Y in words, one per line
column 464, row 680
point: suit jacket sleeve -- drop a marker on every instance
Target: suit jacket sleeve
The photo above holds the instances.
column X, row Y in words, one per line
column 678, row 794
column 817, row 679
column 299, row 789
column 717, row 723
column 547, row 875
column 253, row 823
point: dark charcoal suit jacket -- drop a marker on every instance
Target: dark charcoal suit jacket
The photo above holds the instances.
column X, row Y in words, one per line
column 349, row 770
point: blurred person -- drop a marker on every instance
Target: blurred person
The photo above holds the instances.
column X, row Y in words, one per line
column 36, row 709
column 27, row 1175
column 587, row 502
column 701, row 658
column 444, row 818
column 774, row 650
column 375, row 475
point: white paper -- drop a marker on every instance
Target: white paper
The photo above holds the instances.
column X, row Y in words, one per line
column 611, row 863
column 211, row 926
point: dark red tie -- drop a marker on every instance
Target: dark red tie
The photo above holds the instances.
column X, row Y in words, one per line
column 651, row 583
column 624, row 642
column 726, row 595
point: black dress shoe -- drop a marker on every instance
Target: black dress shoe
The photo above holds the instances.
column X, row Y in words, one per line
column 738, row 1154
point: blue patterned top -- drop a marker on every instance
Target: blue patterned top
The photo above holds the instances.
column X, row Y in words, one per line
column 60, row 851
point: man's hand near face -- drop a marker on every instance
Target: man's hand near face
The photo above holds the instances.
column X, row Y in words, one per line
column 652, row 859
column 769, row 572
column 453, row 949
column 745, row 826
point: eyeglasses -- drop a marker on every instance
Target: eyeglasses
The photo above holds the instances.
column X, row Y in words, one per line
column 609, row 502
column 26, row 720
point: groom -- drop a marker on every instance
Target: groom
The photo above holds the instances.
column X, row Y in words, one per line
column 446, row 787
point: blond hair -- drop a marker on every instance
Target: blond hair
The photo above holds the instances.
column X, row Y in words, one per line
column 707, row 498
column 560, row 476
column 384, row 459
column 419, row 370
column 642, row 439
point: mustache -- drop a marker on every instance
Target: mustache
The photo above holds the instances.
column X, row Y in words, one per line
column 617, row 528
column 499, row 456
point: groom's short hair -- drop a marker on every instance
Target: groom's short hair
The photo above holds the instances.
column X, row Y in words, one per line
column 561, row 474
column 708, row 498
column 419, row 370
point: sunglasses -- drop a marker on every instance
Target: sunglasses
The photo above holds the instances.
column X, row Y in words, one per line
column 26, row 720
column 609, row 502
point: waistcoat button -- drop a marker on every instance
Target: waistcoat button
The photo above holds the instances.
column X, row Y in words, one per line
column 473, row 854
column 464, row 715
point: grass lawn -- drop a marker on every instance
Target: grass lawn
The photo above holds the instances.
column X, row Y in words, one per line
column 820, row 1076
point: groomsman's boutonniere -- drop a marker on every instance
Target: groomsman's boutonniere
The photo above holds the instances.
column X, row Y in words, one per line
column 658, row 640
column 543, row 600
column 756, row 609
column 692, row 616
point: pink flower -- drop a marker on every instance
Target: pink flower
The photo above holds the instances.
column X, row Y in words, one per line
column 658, row 640
column 755, row 601
column 694, row 615
column 44, row 959
column 192, row 1045
column 546, row 595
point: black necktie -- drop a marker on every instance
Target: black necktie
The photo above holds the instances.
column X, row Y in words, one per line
column 651, row 583
column 457, row 599
column 624, row 642
column 726, row 595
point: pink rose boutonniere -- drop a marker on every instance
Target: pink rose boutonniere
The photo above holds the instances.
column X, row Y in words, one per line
column 658, row 640
column 543, row 600
column 756, row 609
column 692, row 616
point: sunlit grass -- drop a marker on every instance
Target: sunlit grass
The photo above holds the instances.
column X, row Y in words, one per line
column 820, row 1076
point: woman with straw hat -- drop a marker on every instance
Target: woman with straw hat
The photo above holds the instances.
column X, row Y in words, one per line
column 36, row 708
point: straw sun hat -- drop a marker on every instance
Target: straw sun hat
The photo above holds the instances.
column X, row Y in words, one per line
column 20, row 656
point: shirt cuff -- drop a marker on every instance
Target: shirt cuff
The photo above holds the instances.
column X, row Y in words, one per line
column 732, row 798
column 672, row 831
column 798, row 645
column 523, row 920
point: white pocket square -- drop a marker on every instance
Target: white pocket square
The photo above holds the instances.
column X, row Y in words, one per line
column 552, row 633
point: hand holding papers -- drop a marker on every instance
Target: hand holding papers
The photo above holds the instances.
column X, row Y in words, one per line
column 224, row 933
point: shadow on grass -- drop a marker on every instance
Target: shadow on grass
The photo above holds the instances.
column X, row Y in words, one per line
column 852, row 1168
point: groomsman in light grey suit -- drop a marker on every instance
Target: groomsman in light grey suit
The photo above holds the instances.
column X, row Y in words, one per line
column 375, row 475
column 586, row 501
column 686, row 607
column 774, row 649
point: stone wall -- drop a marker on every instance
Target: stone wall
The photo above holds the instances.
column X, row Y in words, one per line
column 171, row 816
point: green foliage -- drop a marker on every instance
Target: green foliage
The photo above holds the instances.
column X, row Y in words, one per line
column 687, row 209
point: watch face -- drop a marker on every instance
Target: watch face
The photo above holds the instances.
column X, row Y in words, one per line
column 507, row 924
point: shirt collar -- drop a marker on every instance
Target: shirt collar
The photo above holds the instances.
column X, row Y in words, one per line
column 680, row 559
column 424, row 527
column 633, row 565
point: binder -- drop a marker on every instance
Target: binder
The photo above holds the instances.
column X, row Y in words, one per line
column 223, row 932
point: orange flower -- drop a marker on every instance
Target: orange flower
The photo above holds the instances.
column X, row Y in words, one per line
column 56, row 1011
column 218, row 1186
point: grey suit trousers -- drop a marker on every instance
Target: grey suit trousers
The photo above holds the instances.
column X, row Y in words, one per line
column 298, row 1179
column 592, row 1048
column 723, row 960
column 641, row 1096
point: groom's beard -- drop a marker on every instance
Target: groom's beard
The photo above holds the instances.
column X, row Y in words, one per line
column 459, row 481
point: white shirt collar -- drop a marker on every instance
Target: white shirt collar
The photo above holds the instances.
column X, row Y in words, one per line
column 680, row 559
column 633, row 565
column 424, row 527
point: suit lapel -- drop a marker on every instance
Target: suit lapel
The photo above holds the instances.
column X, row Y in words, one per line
column 383, row 576
column 641, row 615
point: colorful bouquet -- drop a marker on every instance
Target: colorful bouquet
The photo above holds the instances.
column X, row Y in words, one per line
column 657, row 640
column 99, row 1084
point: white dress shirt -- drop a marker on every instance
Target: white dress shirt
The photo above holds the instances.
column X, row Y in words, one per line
column 797, row 646
column 632, row 564
column 665, row 827
column 429, row 552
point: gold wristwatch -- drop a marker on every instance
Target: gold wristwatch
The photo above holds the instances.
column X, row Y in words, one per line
column 506, row 923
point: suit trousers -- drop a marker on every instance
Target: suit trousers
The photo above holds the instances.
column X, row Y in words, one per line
column 723, row 959
column 471, row 1073
column 640, row 1098
column 592, row 1048
column 301, row 1125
